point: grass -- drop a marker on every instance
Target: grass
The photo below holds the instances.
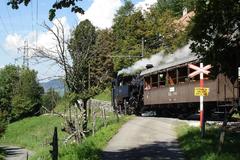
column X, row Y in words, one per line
column 31, row 133
column 196, row 148
column 105, row 95
column 91, row 148
column 35, row 134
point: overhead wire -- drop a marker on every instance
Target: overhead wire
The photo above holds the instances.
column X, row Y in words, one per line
column 36, row 23
column 10, row 20
column 4, row 26
column 32, row 15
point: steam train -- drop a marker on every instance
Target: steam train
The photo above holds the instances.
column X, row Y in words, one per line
column 167, row 90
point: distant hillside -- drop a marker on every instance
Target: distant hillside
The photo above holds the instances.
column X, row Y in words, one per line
column 56, row 84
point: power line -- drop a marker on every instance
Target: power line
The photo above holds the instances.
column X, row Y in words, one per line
column 4, row 26
column 10, row 19
column 32, row 14
column 36, row 23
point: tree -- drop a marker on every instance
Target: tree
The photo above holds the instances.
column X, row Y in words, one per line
column 9, row 77
column 216, row 35
column 176, row 6
column 26, row 100
column 89, row 75
column 79, row 58
column 102, row 61
column 56, row 5
column 128, row 31
column 8, row 80
column 50, row 99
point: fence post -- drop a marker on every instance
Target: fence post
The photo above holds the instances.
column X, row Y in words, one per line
column 54, row 144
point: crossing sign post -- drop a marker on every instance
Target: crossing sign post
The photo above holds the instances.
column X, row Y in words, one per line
column 201, row 91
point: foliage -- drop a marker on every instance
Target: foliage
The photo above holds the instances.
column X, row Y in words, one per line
column 196, row 148
column 8, row 80
column 2, row 154
column 35, row 133
column 156, row 29
column 50, row 99
column 9, row 77
column 102, row 60
column 20, row 93
column 92, row 146
column 57, row 5
column 105, row 95
column 216, row 39
column 81, row 53
column 176, row 6
column 27, row 95
column 128, row 30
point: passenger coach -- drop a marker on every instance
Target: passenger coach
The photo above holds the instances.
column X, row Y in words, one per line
column 168, row 90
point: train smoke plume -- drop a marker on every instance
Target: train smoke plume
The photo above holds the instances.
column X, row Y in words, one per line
column 157, row 59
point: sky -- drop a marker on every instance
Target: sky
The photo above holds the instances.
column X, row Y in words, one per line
column 24, row 27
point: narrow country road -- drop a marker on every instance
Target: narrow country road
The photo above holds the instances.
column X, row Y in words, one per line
column 145, row 138
column 16, row 153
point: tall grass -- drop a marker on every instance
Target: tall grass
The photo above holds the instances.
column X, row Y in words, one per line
column 35, row 134
column 105, row 95
column 90, row 148
column 197, row 148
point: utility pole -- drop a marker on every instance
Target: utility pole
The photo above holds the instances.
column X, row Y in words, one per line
column 142, row 47
column 89, row 76
column 25, row 54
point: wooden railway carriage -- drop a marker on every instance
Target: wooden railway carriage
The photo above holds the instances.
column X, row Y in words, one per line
column 169, row 91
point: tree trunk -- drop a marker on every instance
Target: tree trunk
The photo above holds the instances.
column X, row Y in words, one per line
column 227, row 117
column 85, row 122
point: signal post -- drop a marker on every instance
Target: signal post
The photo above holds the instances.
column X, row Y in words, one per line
column 200, row 91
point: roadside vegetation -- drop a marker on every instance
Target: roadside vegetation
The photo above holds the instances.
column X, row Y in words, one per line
column 196, row 148
column 105, row 95
column 36, row 133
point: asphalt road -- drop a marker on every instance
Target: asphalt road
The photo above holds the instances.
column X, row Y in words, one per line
column 16, row 153
column 145, row 138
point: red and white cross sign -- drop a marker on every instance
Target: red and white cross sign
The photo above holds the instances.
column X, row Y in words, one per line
column 198, row 70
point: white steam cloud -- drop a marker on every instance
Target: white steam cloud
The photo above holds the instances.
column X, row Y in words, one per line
column 157, row 59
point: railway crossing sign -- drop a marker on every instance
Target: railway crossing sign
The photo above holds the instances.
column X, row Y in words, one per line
column 198, row 70
column 200, row 91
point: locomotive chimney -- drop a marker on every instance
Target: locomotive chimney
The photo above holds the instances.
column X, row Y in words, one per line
column 148, row 66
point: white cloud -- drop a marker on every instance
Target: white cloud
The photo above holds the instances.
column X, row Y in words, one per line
column 145, row 5
column 45, row 39
column 12, row 42
column 101, row 12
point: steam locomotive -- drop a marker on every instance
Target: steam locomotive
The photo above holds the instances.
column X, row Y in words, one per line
column 167, row 90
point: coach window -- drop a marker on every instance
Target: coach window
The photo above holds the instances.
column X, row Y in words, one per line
column 154, row 81
column 162, row 79
column 182, row 74
column 171, row 77
column 147, row 85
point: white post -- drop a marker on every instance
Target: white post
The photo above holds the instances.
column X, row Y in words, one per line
column 202, row 121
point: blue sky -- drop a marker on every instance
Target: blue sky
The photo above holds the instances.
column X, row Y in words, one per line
column 24, row 24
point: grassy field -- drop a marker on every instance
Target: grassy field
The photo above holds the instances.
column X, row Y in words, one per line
column 31, row 133
column 91, row 148
column 196, row 148
column 35, row 134
column 105, row 95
